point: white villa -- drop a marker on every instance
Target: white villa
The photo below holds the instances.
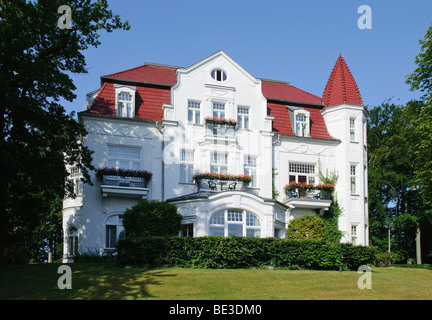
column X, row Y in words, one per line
column 215, row 120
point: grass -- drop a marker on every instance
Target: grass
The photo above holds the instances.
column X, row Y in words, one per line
column 92, row 281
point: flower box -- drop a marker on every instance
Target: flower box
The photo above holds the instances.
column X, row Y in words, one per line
column 221, row 121
column 146, row 175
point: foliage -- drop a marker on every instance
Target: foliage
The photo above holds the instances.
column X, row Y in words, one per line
column 37, row 138
column 384, row 259
column 331, row 216
column 222, row 176
column 309, row 186
column 151, row 218
column 215, row 120
column 307, row 227
column 242, row 252
column 146, row 175
column 396, row 197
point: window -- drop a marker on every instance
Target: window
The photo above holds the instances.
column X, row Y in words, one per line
column 218, row 75
column 114, row 230
column 301, row 125
column 124, row 105
column 186, row 165
column 231, row 222
column 194, row 112
column 219, row 162
column 73, row 241
column 352, row 130
column 187, row 230
column 124, row 157
column 250, row 167
column 243, row 117
column 301, row 172
column 353, row 179
column 218, row 110
column 76, row 176
column 354, row 234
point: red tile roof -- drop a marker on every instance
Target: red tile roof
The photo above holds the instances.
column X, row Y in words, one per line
column 285, row 92
column 147, row 73
column 341, row 86
column 154, row 82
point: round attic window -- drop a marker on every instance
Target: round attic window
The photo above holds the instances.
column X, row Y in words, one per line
column 218, row 75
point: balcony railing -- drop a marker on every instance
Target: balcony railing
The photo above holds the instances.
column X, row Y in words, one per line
column 221, row 185
column 131, row 187
column 313, row 194
column 309, row 195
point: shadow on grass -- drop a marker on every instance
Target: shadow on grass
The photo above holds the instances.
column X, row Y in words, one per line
column 89, row 282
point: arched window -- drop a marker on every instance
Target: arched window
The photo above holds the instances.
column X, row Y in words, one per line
column 233, row 222
column 114, row 230
column 73, row 241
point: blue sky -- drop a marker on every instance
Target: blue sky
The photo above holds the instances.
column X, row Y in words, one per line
column 294, row 41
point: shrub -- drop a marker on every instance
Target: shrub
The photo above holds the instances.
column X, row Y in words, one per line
column 242, row 252
column 385, row 259
column 151, row 218
column 307, row 227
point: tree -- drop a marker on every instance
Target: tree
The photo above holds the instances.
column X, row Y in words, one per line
column 38, row 140
column 421, row 79
column 396, row 203
column 307, row 227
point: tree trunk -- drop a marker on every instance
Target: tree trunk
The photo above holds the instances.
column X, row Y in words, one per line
column 418, row 246
column 389, row 240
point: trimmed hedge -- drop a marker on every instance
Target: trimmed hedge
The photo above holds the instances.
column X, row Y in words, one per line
column 242, row 252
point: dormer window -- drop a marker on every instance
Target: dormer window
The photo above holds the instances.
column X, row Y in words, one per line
column 219, row 75
column 125, row 101
column 301, row 125
column 124, row 105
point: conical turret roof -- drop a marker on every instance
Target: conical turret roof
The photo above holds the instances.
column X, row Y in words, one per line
column 341, row 87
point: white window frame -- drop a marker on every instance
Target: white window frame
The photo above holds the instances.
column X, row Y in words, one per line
column 353, row 178
column 122, row 157
column 76, row 177
column 186, row 165
column 219, row 162
column 302, row 128
column 353, row 130
column 72, row 241
column 354, row 234
column 113, row 223
column 243, row 117
column 129, row 110
column 219, row 110
column 222, row 222
column 300, row 169
column 194, row 112
column 250, row 168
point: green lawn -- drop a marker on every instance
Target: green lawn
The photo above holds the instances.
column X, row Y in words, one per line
column 107, row 281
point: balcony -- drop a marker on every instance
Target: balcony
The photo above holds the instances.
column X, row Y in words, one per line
column 220, row 129
column 128, row 187
column 221, row 185
column 124, row 183
column 308, row 196
column 211, row 181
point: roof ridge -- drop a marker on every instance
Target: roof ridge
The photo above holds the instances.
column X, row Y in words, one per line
column 288, row 84
column 138, row 67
